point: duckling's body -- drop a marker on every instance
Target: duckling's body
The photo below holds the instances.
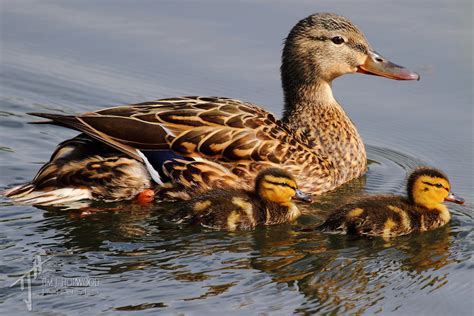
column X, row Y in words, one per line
column 385, row 216
column 390, row 216
column 235, row 209
column 269, row 204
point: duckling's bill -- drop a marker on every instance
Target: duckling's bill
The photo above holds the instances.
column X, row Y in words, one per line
column 454, row 198
column 302, row 196
column 377, row 65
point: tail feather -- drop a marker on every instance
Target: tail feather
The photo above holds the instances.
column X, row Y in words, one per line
column 75, row 123
column 19, row 191
column 53, row 118
column 26, row 194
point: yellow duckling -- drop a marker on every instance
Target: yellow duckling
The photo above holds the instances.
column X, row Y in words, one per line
column 390, row 216
column 270, row 203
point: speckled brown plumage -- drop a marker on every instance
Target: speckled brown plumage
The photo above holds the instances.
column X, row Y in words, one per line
column 315, row 140
column 104, row 175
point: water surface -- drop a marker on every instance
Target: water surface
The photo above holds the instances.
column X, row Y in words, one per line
column 76, row 56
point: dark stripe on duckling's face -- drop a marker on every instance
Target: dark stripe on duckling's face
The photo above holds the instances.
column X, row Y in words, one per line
column 437, row 185
column 429, row 191
column 277, row 185
column 276, row 189
column 282, row 189
column 282, row 183
column 423, row 171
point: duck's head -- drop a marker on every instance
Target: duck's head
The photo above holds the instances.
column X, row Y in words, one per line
column 277, row 185
column 324, row 46
column 430, row 187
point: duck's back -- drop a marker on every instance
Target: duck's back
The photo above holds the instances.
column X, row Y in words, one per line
column 223, row 209
column 374, row 216
column 194, row 143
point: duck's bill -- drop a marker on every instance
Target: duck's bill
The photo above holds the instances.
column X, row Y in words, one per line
column 454, row 198
column 377, row 65
column 300, row 195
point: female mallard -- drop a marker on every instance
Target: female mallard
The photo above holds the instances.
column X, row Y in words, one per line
column 191, row 144
column 269, row 204
column 390, row 216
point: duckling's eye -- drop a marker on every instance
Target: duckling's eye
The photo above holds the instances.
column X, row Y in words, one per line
column 337, row 40
column 438, row 185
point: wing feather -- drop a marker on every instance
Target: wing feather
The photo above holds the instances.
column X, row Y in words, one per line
column 221, row 130
column 192, row 177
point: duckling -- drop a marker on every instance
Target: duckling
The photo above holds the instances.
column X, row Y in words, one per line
column 269, row 204
column 390, row 216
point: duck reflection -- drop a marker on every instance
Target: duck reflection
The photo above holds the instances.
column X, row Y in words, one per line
column 88, row 228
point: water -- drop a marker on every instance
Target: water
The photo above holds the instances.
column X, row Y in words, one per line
column 76, row 56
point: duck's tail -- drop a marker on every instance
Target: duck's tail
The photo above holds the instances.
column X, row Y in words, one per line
column 29, row 194
column 45, row 188
column 82, row 169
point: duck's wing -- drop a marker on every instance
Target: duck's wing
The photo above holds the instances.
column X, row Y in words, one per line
column 209, row 127
column 189, row 177
column 239, row 136
column 201, row 175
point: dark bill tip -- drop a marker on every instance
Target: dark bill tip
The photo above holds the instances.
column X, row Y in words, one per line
column 302, row 196
column 454, row 198
column 377, row 65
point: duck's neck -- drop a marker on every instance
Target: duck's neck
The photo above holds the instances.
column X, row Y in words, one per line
column 312, row 110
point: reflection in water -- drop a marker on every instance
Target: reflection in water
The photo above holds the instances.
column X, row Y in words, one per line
column 428, row 251
column 359, row 281
column 344, row 273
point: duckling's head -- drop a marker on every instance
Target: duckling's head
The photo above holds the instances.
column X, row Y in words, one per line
column 429, row 188
column 323, row 46
column 277, row 185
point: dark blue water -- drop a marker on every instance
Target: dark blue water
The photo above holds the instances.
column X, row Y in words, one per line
column 76, row 56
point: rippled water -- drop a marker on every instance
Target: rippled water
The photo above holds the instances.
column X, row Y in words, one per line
column 75, row 56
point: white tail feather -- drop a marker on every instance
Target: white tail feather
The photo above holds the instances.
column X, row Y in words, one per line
column 53, row 197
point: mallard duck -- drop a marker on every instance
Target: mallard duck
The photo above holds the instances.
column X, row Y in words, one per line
column 390, row 216
column 193, row 144
column 269, row 203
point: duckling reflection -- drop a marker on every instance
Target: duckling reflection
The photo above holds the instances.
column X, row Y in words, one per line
column 337, row 274
column 390, row 216
column 269, row 204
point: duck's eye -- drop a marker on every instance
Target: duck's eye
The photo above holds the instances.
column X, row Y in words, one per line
column 438, row 185
column 337, row 40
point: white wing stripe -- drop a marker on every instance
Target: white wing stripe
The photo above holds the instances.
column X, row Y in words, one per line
column 153, row 173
